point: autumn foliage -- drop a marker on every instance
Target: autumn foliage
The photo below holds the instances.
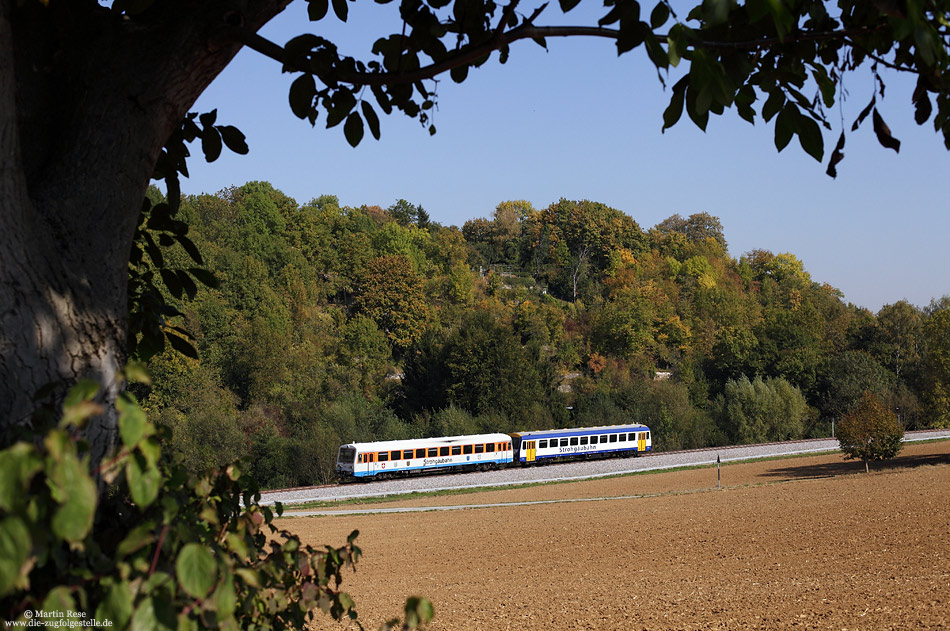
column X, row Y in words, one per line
column 870, row 431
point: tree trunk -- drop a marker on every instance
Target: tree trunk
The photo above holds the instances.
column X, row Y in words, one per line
column 87, row 100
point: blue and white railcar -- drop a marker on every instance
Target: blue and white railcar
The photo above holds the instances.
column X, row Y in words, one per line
column 565, row 443
column 385, row 458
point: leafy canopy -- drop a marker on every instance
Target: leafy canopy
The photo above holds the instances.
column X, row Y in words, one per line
column 870, row 431
column 778, row 61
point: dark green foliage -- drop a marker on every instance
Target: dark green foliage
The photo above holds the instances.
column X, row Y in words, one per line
column 761, row 410
column 870, row 431
column 848, row 376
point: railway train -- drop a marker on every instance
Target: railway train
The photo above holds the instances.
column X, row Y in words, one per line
column 480, row 452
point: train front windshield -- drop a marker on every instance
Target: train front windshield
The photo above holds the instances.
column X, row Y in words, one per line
column 346, row 455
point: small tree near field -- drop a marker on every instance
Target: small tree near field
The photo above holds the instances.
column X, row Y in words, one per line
column 870, row 431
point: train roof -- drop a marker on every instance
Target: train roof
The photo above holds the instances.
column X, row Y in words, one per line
column 583, row 431
column 413, row 443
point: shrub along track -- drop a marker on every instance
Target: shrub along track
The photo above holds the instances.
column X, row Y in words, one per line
column 801, row 543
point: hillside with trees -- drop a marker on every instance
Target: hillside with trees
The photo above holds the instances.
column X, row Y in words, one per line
column 333, row 324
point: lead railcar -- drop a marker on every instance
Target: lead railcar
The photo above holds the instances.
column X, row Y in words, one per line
column 392, row 457
column 585, row 441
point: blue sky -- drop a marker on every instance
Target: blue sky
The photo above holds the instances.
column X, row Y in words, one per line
column 578, row 122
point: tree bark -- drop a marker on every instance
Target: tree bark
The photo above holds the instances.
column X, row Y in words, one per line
column 87, row 100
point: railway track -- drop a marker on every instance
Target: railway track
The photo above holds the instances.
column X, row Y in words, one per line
column 575, row 470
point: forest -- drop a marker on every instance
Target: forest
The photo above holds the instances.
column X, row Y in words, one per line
column 327, row 324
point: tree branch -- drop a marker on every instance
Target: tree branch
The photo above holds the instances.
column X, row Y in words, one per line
column 474, row 52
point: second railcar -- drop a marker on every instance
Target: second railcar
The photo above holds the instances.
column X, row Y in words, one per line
column 586, row 441
column 386, row 458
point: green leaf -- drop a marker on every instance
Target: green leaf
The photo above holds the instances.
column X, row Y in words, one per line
column 15, row 546
column 234, row 139
column 674, row 111
column 250, row 577
column 151, row 450
column 341, row 9
column 353, row 129
column 189, row 285
column 153, row 615
column 659, row 15
column 190, row 247
column 140, row 536
column 171, row 281
column 317, row 9
column 208, row 118
column 419, row 611
column 116, row 607
column 211, row 144
column 182, row 345
column 205, row 277
column 929, row 45
column 225, row 597
column 785, row 126
column 132, row 420
column 84, row 390
column 301, row 95
column 136, row 372
column 18, row 465
column 923, row 108
column 810, row 138
column 75, row 492
column 196, row 570
column 371, row 119
column 773, row 104
column 60, row 600
column 459, row 73
column 144, row 480
column 745, row 97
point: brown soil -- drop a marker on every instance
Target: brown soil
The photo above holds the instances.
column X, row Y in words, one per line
column 803, row 543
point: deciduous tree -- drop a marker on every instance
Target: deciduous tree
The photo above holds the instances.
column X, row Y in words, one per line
column 870, row 431
column 95, row 99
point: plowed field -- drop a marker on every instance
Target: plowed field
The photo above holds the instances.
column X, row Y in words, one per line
column 802, row 543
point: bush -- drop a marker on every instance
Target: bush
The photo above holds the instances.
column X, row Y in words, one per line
column 870, row 431
column 159, row 549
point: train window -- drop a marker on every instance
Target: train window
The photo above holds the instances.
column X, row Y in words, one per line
column 623, row 438
column 443, row 451
column 648, row 435
column 467, row 449
column 574, row 441
column 613, row 438
column 394, row 454
column 479, row 449
column 383, row 456
column 633, row 436
column 563, row 442
column 542, row 444
column 456, row 450
column 583, row 440
column 407, row 454
column 433, row 452
column 490, row 447
column 420, row 453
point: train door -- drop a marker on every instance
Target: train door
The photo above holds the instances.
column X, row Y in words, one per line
column 642, row 442
column 530, row 449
